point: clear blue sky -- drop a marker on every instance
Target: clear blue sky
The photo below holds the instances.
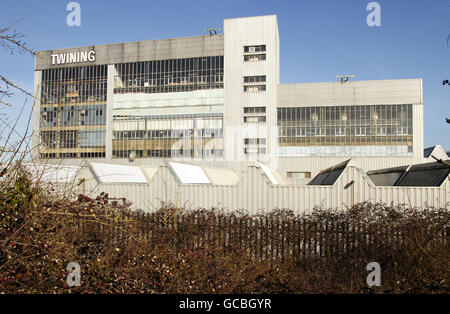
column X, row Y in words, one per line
column 318, row 39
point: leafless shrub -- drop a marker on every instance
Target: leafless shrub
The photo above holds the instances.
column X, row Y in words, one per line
column 208, row 251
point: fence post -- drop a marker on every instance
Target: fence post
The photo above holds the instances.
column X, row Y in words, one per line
column 283, row 237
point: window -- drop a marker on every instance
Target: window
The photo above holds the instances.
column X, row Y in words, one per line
column 77, row 96
column 254, row 145
column 255, row 141
column 163, row 132
column 360, row 130
column 253, row 58
column 48, row 139
column 298, row 175
column 254, row 150
column 250, row 110
column 68, row 116
column 92, row 138
column 340, row 131
column 252, row 49
column 381, row 130
column 68, row 155
column 168, row 76
column 49, row 117
column 401, row 130
column 253, row 114
column 50, row 155
column 75, row 84
column 254, row 79
column 93, row 115
column 92, row 155
column 257, row 119
column 254, row 88
column 301, row 132
column 68, row 139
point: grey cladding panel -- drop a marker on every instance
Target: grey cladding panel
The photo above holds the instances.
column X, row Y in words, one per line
column 175, row 48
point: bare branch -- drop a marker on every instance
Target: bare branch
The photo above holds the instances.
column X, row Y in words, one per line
column 8, row 84
column 5, row 103
column 11, row 40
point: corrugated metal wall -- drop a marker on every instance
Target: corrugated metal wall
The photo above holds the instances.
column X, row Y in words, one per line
column 254, row 193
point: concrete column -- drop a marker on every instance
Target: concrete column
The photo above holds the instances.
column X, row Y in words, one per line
column 418, row 136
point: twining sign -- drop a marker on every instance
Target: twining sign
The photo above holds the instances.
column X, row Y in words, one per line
column 73, row 57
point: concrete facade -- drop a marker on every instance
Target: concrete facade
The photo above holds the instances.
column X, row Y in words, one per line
column 148, row 50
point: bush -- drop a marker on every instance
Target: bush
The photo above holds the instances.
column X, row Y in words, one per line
column 208, row 251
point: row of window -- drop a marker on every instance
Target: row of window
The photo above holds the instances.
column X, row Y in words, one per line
column 255, row 141
column 175, row 75
column 79, row 74
column 73, row 116
column 384, row 125
column 73, row 139
column 73, row 155
column 167, row 153
column 166, row 132
column 254, row 88
column 378, row 114
column 252, row 110
column 342, row 131
column 254, row 145
column 253, row 53
column 254, row 48
column 254, row 79
column 255, row 119
column 255, row 150
column 140, row 134
column 254, row 58
column 76, row 84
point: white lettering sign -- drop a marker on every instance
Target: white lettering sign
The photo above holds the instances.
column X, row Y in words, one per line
column 73, row 57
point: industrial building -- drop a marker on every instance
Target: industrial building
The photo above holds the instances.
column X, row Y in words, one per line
column 217, row 99
column 215, row 102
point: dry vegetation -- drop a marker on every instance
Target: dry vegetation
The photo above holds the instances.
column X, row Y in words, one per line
column 207, row 251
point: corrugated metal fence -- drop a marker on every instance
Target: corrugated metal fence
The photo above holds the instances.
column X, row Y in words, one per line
column 277, row 237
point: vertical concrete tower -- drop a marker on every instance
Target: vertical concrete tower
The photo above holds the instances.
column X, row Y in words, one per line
column 251, row 77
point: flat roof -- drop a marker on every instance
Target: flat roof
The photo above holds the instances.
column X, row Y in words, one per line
column 138, row 51
column 387, row 92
